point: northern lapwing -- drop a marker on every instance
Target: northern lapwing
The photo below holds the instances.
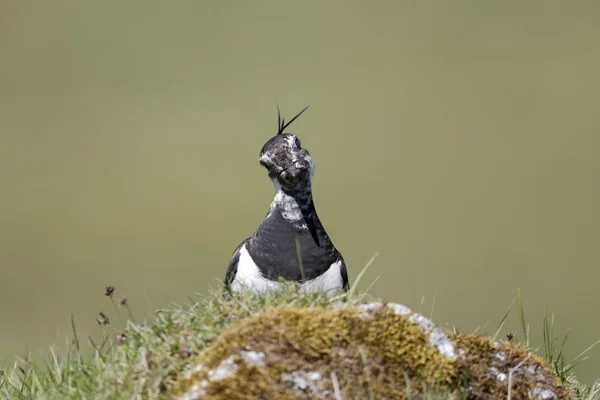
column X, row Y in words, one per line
column 291, row 243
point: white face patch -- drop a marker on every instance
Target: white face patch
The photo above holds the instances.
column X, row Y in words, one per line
column 288, row 205
column 310, row 161
column 265, row 158
column 290, row 210
column 249, row 277
column 291, row 139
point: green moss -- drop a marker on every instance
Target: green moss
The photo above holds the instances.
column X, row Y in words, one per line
column 376, row 354
column 369, row 355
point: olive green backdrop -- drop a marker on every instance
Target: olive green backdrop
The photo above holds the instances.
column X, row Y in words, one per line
column 459, row 140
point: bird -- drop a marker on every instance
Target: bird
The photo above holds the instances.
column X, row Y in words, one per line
column 291, row 243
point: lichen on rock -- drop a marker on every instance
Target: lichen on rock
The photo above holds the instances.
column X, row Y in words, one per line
column 375, row 350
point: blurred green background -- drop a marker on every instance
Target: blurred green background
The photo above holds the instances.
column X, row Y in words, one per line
column 458, row 140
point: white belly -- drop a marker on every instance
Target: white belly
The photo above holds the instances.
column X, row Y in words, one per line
column 249, row 277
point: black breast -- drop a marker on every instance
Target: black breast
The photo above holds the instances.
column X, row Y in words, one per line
column 274, row 248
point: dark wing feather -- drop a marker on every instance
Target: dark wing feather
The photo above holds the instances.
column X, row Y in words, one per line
column 344, row 272
column 233, row 264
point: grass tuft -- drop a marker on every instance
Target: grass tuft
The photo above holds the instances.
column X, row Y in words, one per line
column 145, row 359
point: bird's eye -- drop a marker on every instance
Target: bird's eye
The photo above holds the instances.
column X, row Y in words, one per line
column 297, row 143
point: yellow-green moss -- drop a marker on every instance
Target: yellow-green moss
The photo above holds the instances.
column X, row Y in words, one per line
column 367, row 354
column 379, row 355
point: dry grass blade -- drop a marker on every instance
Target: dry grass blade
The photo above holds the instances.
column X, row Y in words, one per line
column 362, row 272
column 510, row 376
column 336, row 386
column 367, row 370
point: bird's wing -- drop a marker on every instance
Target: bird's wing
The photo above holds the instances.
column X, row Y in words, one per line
column 233, row 264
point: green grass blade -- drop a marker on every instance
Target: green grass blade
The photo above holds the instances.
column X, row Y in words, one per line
column 501, row 324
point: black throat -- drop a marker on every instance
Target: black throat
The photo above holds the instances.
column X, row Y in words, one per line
column 291, row 243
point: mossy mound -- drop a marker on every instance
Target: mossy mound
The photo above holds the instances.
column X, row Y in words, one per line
column 489, row 362
column 376, row 350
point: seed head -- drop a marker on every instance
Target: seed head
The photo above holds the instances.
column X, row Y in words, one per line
column 102, row 319
column 109, row 291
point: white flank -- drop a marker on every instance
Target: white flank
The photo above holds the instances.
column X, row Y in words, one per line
column 249, row 277
column 330, row 282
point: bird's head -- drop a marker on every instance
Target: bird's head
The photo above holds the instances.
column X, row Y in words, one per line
column 289, row 165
